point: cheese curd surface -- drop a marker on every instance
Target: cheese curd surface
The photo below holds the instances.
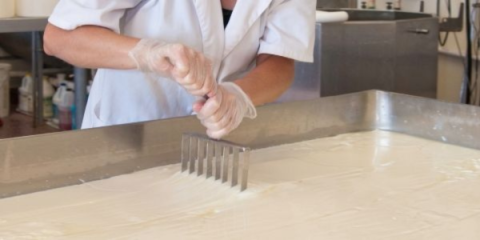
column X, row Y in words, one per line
column 369, row 185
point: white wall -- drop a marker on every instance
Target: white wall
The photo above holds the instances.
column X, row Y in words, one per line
column 451, row 68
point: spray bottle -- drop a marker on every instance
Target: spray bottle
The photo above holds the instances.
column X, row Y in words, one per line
column 25, row 94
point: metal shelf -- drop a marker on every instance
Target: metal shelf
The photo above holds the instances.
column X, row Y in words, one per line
column 19, row 24
column 36, row 25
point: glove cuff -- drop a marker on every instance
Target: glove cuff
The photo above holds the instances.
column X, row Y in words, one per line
column 141, row 54
column 251, row 111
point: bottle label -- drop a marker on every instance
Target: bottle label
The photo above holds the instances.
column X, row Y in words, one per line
column 47, row 107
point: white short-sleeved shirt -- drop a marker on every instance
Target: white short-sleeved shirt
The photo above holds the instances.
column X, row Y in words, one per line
column 278, row 27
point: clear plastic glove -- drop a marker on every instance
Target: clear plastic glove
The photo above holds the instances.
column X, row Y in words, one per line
column 224, row 112
column 186, row 66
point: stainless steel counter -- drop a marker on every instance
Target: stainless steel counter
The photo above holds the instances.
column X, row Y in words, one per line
column 50, row 161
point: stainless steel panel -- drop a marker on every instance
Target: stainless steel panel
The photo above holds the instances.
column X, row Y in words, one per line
column 356, row 57
column 384, row 50
column 306, row 84
column 18, row 24
column 416, row 52
column 56, row 160
column 431, row 119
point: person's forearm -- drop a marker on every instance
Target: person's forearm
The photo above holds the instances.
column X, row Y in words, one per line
column 90, row 47
column 269, row 80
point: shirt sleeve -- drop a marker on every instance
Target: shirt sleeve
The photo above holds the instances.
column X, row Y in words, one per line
column 290, row 30
column 71, row 14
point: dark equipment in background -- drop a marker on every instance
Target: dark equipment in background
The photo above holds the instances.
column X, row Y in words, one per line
column 336, row 3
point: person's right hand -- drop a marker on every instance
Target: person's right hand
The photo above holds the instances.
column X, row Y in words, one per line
column 186, row 66
column 223, row 113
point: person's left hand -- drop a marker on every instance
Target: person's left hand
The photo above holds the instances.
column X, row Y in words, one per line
column 190, row 68
column 224, row 112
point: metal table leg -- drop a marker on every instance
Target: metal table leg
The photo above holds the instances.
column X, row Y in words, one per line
column 81, row 78
column 37, row 75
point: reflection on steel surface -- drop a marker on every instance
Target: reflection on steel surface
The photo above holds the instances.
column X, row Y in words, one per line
column 55, row 160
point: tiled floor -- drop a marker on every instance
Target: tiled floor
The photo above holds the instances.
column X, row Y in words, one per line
column 19, row 125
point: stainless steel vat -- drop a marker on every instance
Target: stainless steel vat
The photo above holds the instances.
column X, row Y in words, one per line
column 50, row 161
column 384, row 50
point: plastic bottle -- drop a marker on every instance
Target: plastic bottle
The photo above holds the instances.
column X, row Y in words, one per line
column 71, row 85
column 59, row 79
column 48, row 92
column 57, row 98
column 65, row 110
column 26, row 94
column 5, row 89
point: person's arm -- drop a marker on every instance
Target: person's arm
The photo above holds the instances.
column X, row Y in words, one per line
column 282, row 41
column 225, row 111
column 98, row 47
column 269, row 80
column 90, row 47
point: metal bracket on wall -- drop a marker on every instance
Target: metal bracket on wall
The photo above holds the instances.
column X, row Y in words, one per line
column 423, row 31
column 453, row 24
